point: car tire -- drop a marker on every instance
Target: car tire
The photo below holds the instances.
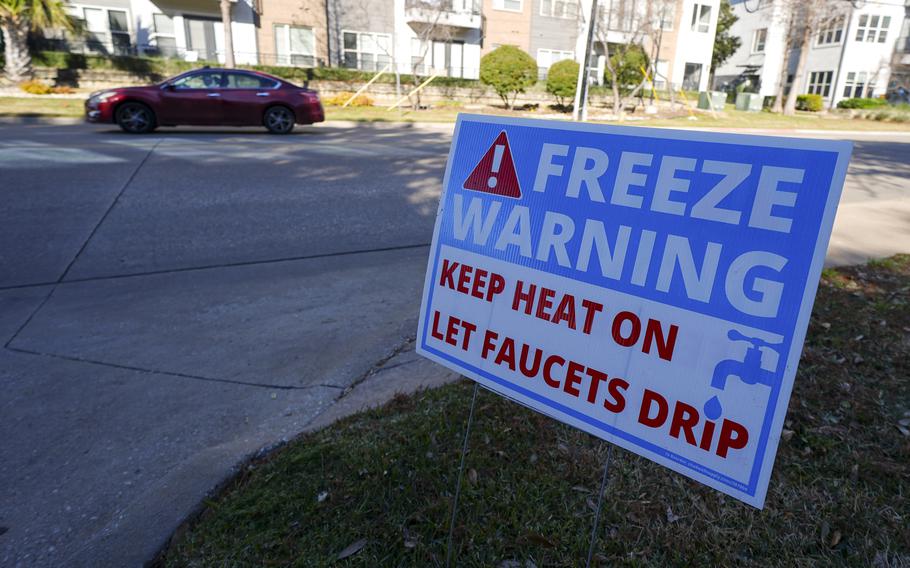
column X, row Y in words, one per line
column 135, row 118
column 279, row 120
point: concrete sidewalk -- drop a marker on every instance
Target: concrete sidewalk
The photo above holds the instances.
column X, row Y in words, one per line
column 172, row 304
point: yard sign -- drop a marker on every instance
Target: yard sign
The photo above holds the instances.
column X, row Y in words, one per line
column 651, row 287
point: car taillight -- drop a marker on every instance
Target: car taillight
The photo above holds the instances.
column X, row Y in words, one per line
column 309, row 97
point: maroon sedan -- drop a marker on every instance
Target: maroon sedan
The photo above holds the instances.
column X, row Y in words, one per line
column 209, row 97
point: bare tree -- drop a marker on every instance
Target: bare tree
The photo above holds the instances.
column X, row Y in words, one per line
column 228, row 34
column 802, row 20
column 634, row 22
column 431, row 29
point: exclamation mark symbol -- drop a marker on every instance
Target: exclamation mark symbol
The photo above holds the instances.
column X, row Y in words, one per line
column 497, row 160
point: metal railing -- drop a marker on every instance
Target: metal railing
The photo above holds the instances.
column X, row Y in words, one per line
column 96, row 46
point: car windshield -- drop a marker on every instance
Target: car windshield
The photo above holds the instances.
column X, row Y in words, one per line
column 200, row 80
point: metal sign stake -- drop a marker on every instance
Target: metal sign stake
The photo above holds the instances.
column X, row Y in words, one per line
column 600, row 501
column 464, row 450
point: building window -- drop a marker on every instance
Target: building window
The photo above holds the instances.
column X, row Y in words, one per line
column 509, row 5
column 664, row 15
column 567, row 9
column 107, row 31
column 873, row 28
column 759, row 37
column 547, row 57
column 366, row 51
column 661, row 72
column 165, row 41
column 701, row 18
column 295, row 45
column 622, row 15
column 820, row 83
column 859, row 85
column 831, row 31
column 692, row 76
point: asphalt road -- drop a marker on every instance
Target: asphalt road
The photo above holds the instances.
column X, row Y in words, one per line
column 170, row 304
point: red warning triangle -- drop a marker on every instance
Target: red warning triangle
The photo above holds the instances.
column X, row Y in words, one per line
column 496, row 171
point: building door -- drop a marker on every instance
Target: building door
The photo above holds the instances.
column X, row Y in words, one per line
column 200, row 37
column 692, row 76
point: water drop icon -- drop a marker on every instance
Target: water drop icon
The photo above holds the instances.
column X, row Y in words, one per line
column 713, row 408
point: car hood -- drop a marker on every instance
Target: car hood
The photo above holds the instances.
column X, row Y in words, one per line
column 146, row 88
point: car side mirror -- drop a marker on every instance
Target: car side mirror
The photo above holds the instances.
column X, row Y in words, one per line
column 170, row 87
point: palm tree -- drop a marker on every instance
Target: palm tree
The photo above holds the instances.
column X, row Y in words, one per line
column 17, row 18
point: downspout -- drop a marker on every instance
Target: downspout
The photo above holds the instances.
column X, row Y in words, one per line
column 840, row 62
column 328, row 36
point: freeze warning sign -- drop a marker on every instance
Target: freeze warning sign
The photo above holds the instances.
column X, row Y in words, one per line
column 651, row 287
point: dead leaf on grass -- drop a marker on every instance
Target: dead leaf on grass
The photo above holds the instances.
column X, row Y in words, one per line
column 835, row 538
column 352, row 549
column 472, row 476
column 671, row 517
column 540, row 539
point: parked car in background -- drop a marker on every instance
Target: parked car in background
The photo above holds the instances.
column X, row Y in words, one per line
column 208, row 97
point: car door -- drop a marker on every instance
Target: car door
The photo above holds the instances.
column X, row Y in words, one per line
column 193, row 99
column 246, row 96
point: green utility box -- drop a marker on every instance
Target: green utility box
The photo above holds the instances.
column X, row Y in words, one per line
column 751, row 102
column 708, row 98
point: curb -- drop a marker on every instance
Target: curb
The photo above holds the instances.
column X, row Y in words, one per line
column 34, row 119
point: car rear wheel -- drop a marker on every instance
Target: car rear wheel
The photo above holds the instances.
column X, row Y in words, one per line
column 135, row 118
column 279, row 120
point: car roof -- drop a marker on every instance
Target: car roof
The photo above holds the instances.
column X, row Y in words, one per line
column 225, row 69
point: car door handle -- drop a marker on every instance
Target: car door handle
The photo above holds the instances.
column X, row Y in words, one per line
column 214, row 94
column 262, row 94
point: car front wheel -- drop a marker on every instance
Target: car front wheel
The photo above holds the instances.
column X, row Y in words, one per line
column 279, row 120
column 135, row 118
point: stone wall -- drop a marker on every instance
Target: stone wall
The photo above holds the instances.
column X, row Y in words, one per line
column 381, row 93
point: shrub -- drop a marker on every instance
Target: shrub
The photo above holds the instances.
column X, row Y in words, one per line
column 509, row 71
column 562, row 79
column 340, row 98
column 813, row 103
column 628, row 64
column 63, row 90
column 35, row 88
column 859, row 103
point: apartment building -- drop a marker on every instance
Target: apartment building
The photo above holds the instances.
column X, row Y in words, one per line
column 293, row 32
column 677, row 35
column 424, row 36
column 189, row 29
column 850, row 56
column 900, row 61
column 443, row 37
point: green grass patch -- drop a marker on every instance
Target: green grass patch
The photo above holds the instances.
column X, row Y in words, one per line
column 839, row 495
column 39, row 107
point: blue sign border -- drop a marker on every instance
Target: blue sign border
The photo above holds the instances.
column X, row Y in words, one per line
column 774, row 414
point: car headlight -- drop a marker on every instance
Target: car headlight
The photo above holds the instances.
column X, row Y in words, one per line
column 101, row 96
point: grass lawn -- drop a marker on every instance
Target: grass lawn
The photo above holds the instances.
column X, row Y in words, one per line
column 382, row 480
column 34, row 106
column 727, row 119
column 13, row 106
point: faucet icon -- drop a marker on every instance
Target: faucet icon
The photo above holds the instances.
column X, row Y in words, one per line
column 748, row 370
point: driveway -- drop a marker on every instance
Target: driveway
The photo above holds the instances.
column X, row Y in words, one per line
column 171, row 304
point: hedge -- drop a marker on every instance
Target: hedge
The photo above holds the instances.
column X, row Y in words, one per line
column 862, row 103
column 159, row 68
column 813, row 103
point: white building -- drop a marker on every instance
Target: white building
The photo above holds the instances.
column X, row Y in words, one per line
column 850, row 57
column 678, row 36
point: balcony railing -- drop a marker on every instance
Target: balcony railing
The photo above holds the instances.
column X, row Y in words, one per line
column 455, row 14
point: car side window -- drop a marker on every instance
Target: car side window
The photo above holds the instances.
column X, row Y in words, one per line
column 248, row 81
column 204, row 80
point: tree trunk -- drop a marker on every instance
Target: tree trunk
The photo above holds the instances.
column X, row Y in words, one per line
column 15, row 40
column 805, row 43
column 228, row 34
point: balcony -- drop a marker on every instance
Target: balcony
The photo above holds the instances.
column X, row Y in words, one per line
column 448, row 13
